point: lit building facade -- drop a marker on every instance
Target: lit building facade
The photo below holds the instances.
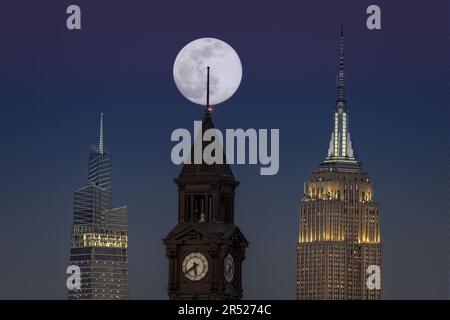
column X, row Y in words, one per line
column 339, row 227
column 99, row 234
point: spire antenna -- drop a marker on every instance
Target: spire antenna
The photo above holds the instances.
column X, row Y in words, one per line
column 340, row 76
column 100, row 144
column 208, row 108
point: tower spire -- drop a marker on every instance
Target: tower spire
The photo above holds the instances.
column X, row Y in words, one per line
column 207, row 86
column 207, row 107
column 340, row 150
column 100, row 144
column 340, row 76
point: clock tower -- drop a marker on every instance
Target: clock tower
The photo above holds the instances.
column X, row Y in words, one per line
column 205, row 249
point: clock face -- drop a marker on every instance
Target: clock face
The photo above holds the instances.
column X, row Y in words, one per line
column 195, row 266
column 228, row 268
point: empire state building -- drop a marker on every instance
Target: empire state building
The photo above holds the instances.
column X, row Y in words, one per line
column 339, row 244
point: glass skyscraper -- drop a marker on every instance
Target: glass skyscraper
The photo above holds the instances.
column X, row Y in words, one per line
column 99, row 233
column 100, row 166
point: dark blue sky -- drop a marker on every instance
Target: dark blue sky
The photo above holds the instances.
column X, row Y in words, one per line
column 54, row 83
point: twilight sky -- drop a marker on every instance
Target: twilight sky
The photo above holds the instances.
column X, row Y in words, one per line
column 54, row 83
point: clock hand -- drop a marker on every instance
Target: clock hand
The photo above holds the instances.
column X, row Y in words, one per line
column 228, row 269
column 195, row 268
column 191, row 268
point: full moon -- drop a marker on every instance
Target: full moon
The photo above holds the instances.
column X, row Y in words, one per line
column 190, row 71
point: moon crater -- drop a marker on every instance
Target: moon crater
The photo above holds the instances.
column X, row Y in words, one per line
column 190, row 70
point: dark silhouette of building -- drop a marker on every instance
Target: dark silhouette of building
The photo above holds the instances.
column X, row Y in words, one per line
column 205, row 249
column 99, row 233
column 339, row 236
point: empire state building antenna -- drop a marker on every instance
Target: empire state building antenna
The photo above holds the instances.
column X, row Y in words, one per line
column 340, row 76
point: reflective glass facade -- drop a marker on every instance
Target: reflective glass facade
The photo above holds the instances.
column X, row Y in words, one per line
column 100, row 171
column 99, row 244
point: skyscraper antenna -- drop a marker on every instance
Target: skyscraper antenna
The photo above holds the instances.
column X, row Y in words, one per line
column 100, row 144
column 340, row 76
